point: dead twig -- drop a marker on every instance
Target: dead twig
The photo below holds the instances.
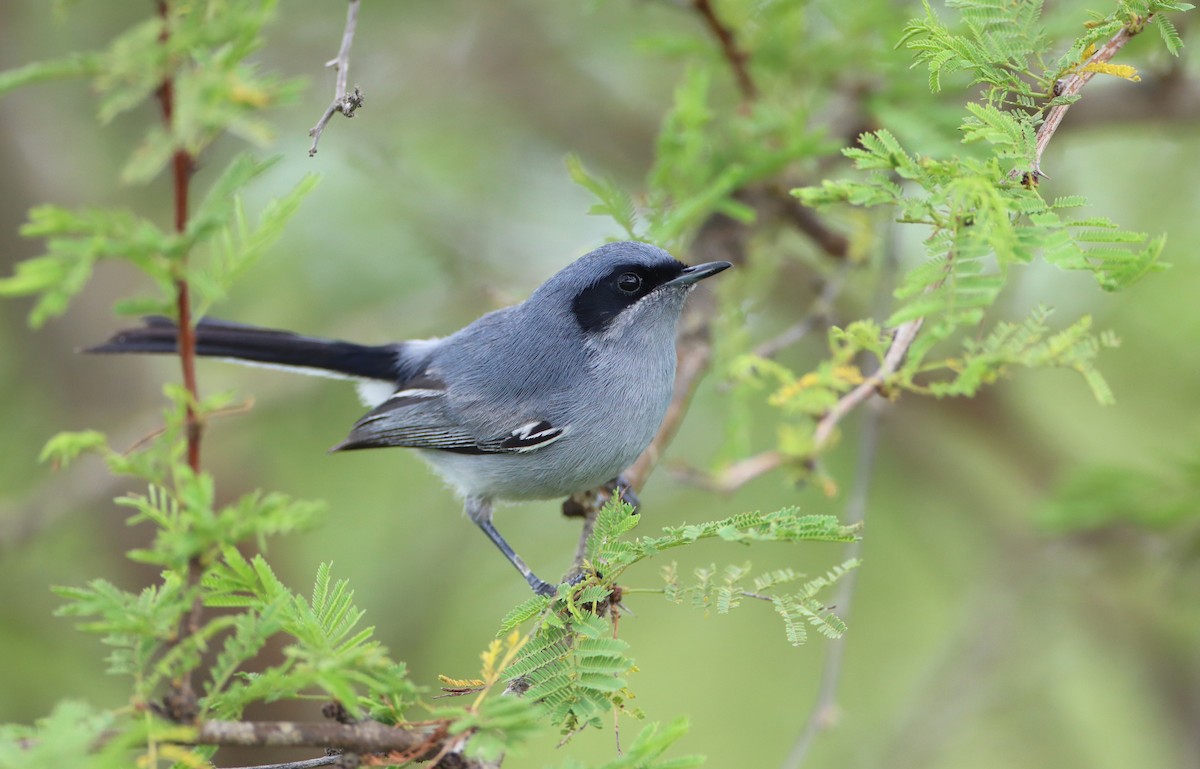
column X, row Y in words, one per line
column 342, row 102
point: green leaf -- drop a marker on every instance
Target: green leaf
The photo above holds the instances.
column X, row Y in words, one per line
column 64, row 447
column 612, row 200
column 1166, row 30
column 76, row 65
column 522, row 613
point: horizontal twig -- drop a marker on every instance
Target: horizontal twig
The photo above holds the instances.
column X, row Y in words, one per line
column 306, row 764
column 361, row 737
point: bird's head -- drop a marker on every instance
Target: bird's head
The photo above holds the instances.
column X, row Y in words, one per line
column 623, row 284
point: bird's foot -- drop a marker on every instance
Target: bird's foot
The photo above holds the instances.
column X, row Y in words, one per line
column 620, row 485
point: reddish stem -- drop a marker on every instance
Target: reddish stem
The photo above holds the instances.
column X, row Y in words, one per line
column 181, row 169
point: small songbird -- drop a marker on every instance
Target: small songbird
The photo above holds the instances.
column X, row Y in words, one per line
column 547, row 398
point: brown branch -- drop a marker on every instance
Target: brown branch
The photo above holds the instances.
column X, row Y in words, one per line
column 817, row 315
column 181, row 170
column 734, row 476
column 829, row 240
column 736, row 57
column 1074, row 83
column 360, row 737
column 180, row 703
column 343, row 103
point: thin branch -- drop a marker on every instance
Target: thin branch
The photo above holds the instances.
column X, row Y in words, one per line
column 585, row 533
column 181, row 170
column 818, row 314
column 180, row 702
column 306, row 764
column 736, row 57
column 1074, row 83
column 734, row 476
column 361, row 737
column 343, row 103
column 824, row 711
column 805, row 219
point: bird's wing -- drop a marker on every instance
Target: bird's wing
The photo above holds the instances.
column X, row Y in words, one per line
column 420, row 416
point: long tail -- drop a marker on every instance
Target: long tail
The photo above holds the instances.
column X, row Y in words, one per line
column 262, row 346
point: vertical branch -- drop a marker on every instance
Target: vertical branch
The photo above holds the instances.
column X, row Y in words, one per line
column 181, row 169
column 181, row 701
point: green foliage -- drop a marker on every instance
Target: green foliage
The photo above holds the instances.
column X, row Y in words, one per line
column 1029, row 344
column 980, row 212
column 1162, row 497
column 725, row 590
column 573, row 665
column 69, row 736
column 201, row 49
column 326, row 653
column 645, row 752
column 983, row 217
column 573, row 668
column 1003, row 46
column 701, row 162
column 77, row 240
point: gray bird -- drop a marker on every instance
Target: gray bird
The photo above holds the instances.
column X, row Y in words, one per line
column 550, row 397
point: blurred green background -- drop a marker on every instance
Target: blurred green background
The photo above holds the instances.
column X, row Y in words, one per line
column 983, row 633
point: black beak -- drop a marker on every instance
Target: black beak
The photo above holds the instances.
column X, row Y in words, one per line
column 699, row 272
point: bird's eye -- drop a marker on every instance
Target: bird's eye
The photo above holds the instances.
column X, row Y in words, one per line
column 629, row 282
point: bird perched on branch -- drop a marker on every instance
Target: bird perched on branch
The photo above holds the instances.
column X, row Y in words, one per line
column 550, row 397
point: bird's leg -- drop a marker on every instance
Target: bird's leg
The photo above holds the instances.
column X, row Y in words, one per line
column 479, row 510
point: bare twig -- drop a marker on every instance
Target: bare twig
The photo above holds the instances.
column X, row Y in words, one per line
column 342, row 102
column 734, row 476
column 306, row 764
column 817, row 315
column 736, row 57
column 824, row 711
column 1074, row 83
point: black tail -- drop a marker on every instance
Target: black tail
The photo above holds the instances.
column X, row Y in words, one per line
column 221, row 339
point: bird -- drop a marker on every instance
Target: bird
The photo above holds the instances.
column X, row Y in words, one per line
column 543, row 399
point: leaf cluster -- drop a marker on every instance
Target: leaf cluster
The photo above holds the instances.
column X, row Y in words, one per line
column 1003, row 47
column 575, row 667
column 219, row 232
